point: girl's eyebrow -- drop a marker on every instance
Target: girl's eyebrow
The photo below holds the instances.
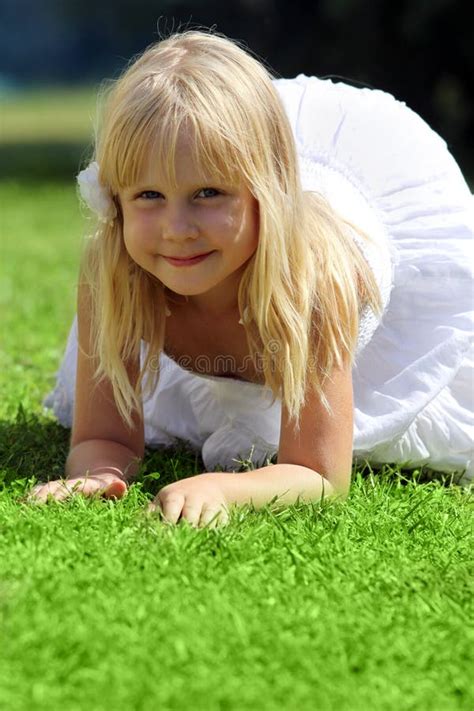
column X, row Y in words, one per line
column 205, row 182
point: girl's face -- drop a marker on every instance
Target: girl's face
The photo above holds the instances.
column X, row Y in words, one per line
column 196, row 217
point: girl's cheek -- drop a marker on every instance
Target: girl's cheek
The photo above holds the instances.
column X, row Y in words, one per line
column 126, row 232
column 131, row 239
column 135, row 229
column 140, row 242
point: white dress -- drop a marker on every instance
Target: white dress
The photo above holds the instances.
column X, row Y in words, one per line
column 381, row 166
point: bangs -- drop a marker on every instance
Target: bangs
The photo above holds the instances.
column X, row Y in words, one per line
column 146, row 144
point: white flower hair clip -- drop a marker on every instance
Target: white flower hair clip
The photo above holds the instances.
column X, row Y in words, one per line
column 96, row 196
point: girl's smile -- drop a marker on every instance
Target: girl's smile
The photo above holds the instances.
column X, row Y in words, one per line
column 200, row 223
column 189, row 261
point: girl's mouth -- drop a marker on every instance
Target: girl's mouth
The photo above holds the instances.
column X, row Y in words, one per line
column 176, row 262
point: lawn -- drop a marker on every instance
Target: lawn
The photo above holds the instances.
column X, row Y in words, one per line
column 363, row 605
column 60, row 114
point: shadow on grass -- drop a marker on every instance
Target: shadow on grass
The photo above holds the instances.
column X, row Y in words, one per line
column 43, row 160
column 34, row 449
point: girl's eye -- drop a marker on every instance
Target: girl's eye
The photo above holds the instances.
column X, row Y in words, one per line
column 212, row 190
column 146, row 193
column 204, row 192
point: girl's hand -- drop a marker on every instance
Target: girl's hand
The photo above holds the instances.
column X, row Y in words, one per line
column 108, row 485
column 201, row 499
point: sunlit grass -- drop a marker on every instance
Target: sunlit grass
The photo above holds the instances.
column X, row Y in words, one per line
column 48, row 114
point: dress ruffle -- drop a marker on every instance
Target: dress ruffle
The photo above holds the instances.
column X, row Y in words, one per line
column 382, row 167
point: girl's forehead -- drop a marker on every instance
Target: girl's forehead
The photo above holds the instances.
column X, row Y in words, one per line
column 174, row 170
column 184, row 159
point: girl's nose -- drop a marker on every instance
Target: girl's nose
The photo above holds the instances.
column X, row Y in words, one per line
column 179, row 224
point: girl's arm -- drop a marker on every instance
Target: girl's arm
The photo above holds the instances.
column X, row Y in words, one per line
column 104, row 454
column 315, row 462
column 100, row 440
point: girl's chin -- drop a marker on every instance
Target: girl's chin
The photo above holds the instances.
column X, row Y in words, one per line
column 186, row 289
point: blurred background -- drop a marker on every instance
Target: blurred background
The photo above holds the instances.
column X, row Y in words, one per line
column 54, row 53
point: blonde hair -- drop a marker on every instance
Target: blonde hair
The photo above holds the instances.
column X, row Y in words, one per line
column 305, row 285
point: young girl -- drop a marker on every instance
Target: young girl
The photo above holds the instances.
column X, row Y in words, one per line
column 283, row 265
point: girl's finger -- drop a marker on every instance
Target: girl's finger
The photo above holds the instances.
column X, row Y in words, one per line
column 171, row 507
column 107, row 485
column 64, row 488
column 110, row 485
column 40, row 493
column 68, row 487
column 192, row 511
column 213, row 517
column 31, row 496
column 115, row 489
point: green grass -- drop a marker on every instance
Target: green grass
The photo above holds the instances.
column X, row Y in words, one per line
column 354, row 606
column 48, row 114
